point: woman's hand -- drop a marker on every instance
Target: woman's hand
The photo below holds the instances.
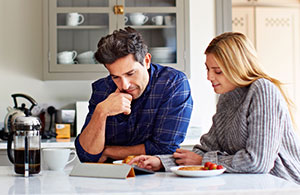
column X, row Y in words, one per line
column 147, row 162
column 186, row 157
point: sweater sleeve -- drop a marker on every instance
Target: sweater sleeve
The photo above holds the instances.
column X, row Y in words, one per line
column 208, row 142
column 167, row 161
column 266, row 115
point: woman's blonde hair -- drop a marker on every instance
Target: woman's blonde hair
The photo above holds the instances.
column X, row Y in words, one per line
column 237, row 58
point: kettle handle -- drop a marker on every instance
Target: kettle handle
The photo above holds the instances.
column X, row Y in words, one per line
column 32, row 101
column 9, row 150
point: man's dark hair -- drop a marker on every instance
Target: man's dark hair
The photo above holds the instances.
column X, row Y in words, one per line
column 120, row 44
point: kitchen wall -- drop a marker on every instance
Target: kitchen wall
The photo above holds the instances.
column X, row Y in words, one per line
column 21, row 60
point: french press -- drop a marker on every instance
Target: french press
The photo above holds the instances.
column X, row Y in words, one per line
column 27, row 145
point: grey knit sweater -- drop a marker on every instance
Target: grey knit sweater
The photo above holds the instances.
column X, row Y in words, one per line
column 252, row 132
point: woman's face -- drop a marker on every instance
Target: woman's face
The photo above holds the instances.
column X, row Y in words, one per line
column 215, row 75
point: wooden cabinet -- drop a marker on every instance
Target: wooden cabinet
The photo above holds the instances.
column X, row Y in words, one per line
column 102, row 17
column 274, row 30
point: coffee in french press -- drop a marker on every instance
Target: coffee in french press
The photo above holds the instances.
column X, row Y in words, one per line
column 27, row 145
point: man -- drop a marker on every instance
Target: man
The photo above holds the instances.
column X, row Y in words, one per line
column 140, row 108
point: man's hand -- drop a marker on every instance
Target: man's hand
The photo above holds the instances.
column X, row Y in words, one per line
column 116, row 103
column 102, row 159
column 186, row 157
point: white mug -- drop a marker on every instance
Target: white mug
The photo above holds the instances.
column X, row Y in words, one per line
column 157, row 20
column 86, row 57
column 66, row 57
column 57, row 158
column 74, row 19
column 169, row 20
column 125, row 19
column 138, row 18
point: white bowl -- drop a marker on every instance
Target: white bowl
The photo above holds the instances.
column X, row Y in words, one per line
column 162, row 52
column 163, row 60
column 86, row 58
column 161, row 49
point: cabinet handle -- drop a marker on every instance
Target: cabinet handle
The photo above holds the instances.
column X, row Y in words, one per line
column 119, row 9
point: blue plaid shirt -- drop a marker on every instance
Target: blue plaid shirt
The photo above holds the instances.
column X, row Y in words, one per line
column 159, row 117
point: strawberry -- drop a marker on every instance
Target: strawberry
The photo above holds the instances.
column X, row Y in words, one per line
column 212, row 166
column 207, row 164
column 220, row 167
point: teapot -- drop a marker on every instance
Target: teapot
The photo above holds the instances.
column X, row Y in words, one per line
column 15, row 112
column 138, row 18
column 27, row 145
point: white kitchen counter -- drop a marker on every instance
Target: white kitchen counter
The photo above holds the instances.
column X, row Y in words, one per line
column 59, row 182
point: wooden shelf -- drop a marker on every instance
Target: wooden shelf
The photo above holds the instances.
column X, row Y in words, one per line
column 151, row 26
column 82, row 27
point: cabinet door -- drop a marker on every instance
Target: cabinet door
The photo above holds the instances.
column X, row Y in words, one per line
column 243, row 21
column 243, row 2
column 74, row 29
column 266, row 2
column 163, row 29
column 277, row 39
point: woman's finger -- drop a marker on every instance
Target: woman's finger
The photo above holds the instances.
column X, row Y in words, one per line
column 178, row 155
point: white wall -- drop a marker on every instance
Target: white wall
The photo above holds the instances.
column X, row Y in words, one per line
column 21, row 60
column 202, row 31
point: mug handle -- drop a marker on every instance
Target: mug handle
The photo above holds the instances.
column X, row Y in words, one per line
column 72, row 152
column 145, row 19
column 153, row 19
column 81, row 20
column 74, row 54
column 125, row 19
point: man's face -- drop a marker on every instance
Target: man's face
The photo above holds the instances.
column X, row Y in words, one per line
column 129, row 75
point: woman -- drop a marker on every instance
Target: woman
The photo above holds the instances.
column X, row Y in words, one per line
column 252, row 130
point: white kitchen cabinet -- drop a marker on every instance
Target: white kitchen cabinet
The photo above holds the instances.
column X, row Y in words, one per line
column 243, row 21
column 265, row 2
column 102, row 17
column 274, row 30
column 4, row 161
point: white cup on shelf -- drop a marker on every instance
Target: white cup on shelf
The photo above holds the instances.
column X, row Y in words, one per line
column 169, row 20
column 57, row 158
column 125, row 19
column 138, row 18
column 86, row 57
column 74, row 19
column 157, row 20
column 66, row 57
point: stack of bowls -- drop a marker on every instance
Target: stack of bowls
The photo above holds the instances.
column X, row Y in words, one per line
column 162, row 54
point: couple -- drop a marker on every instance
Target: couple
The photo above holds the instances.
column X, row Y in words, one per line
column 252, row 130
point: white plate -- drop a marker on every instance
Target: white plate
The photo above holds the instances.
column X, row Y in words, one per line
column 207, row 173
column 117, row 162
